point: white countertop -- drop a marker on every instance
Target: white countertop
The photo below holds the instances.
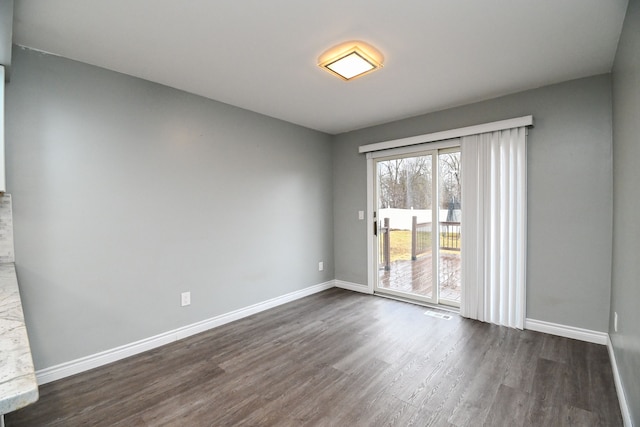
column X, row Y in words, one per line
column 18, row 386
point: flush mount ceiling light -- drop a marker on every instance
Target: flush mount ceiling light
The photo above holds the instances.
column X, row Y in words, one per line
column 350, row 60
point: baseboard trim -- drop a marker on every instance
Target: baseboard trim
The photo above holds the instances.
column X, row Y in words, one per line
column 622, row 399
column 566, row 331
column 350, row 286
column 86, row 363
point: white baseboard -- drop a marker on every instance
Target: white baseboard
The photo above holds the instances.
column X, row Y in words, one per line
column 624, row 407
column 566, row 331
column 86, row 363
column 350, row 286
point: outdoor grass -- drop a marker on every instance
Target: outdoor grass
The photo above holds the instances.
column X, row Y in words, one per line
column 400, row 244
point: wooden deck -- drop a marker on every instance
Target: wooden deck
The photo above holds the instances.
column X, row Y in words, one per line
column 416, row 276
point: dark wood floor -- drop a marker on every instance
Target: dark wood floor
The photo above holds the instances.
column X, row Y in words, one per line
column 343, row 359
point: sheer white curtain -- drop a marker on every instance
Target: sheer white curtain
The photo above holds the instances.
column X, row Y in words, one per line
column 494, row 226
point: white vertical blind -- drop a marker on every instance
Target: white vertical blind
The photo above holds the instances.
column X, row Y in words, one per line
column 494, row 189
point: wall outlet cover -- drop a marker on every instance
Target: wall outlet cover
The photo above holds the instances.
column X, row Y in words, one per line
column 185, row 299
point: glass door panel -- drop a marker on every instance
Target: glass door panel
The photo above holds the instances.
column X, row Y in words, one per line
column 417, row 218
column 449, row 214
column 405, row 190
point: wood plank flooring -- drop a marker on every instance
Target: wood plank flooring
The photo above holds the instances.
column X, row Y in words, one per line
column 340, row 358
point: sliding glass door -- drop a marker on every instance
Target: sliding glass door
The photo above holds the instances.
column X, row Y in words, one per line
column 449, row 214
column 417, row 226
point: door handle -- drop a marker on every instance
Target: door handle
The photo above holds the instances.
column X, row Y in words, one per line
column 375, row 228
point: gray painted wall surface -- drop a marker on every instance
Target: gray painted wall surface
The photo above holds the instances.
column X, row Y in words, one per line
column 569, row 194
column 6, row 34
column 625, row 288
column 127, row 193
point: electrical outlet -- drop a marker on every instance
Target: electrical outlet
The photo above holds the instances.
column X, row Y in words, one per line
column 360, row 214
column 320, row 266
column 615, row 321
column 185, row 298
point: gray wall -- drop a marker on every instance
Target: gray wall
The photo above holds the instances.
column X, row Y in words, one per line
column 569, row 194
column 127, row 193
column 625, row 288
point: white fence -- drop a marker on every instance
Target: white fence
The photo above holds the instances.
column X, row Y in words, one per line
column 400, row 219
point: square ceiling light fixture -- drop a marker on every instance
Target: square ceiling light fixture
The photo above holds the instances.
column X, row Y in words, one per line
column 354, row 60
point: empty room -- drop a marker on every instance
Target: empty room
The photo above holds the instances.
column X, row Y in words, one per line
column 288, row 213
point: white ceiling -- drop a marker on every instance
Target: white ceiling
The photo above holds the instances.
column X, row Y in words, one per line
column 262, row 55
